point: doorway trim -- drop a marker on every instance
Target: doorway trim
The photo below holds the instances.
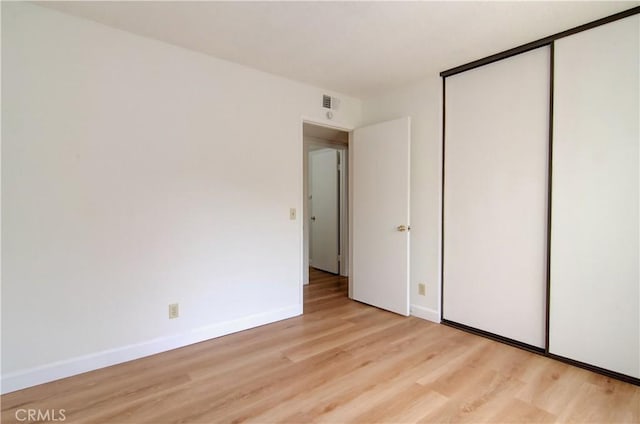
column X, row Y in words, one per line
column 346, row 197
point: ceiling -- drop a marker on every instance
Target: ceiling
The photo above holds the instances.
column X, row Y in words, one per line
column 357, row 48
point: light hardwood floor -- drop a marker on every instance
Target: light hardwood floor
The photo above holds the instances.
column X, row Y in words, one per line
column 341, row 361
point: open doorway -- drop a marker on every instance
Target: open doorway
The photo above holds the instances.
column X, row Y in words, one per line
column 376, row 255
column 325, row 203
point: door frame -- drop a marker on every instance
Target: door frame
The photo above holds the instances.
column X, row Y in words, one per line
column 345, row 200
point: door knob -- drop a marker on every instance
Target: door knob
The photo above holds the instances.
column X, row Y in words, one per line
column 313, row 218
column 403, row 228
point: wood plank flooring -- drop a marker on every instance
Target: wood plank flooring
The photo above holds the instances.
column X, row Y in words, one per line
column 341, row 361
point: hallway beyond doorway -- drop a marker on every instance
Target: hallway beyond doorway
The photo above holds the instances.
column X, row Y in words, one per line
column 324, row 290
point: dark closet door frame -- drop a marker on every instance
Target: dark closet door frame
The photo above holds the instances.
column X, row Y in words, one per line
column 543, row 42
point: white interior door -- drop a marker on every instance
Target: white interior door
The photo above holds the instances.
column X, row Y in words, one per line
column 324, row 207
column 380, row 172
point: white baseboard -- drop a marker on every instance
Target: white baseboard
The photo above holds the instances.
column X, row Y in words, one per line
column 425, row 313
column 54, row 371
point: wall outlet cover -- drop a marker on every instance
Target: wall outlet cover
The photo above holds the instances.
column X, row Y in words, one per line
column 174, row 311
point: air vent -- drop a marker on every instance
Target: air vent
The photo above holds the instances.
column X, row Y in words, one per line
column 329, row 102
column 326, row 101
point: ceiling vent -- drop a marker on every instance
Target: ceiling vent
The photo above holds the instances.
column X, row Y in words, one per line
column 326, row 101
column 329, row 102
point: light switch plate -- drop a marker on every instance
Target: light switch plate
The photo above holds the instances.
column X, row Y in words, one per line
column 292, row 214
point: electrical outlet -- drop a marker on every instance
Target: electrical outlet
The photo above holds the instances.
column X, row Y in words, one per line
column 174, row 311
column 422, row 289
column 292, row 214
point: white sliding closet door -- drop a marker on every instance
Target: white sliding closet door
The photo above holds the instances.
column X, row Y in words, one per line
column 595, row 282
column 495, row 197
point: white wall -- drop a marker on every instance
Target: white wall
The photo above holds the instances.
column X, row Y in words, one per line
column 137, row 174
column 421, row 101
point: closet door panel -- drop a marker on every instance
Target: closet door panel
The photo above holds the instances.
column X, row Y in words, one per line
column 495, row 197
column 595, row 289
